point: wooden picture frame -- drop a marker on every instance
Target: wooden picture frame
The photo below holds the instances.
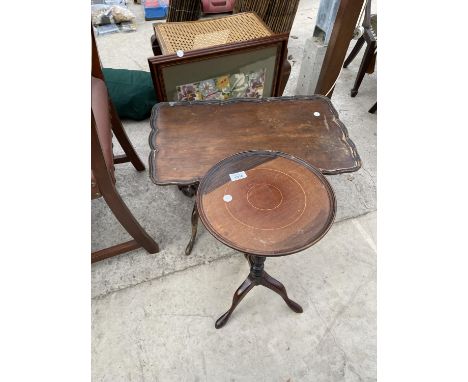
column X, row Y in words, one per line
column 171, row 72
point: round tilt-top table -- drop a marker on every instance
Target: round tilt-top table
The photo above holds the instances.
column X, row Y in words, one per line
column 265, row 204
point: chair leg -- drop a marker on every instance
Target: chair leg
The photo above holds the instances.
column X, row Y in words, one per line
column 371, row 67
column 366, row 60
column 128, row 221
column 124, row 141
column 114, row 251
column 284, row 75
column 354, row 52
column 373, row 109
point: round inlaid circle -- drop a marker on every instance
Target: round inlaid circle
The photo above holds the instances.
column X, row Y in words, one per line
column 280, row 205
column 264, row 196
column 259, row 199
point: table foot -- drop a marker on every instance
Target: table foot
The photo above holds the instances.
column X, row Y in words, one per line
column 276, row 286
column 257, row 276
column 189, row 247
column 241, row 292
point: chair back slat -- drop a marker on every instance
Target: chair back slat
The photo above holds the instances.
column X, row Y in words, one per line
column 101, row 112
column 96, row 69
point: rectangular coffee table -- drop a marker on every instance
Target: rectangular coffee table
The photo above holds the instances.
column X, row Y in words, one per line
column 188, row 138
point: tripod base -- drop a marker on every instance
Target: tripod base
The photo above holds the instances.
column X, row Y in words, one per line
column 257, row 276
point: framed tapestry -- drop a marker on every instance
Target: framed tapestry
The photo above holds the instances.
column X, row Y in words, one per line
column 248, row 69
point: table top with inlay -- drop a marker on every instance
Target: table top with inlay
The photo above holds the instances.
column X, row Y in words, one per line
column 266, row 203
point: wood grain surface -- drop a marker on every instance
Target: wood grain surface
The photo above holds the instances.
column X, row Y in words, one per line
column 280, row 205
column 188, row 138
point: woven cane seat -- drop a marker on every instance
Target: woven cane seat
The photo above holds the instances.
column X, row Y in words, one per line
column 191, row 35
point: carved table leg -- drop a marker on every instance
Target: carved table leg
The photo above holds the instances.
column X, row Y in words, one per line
column 241, row 292
column 190, row 190
column 189, row 247
column 279, row 288
column 257, row 276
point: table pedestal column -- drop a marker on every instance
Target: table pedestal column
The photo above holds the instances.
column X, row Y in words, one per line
column 257, row 276
column 190, row 191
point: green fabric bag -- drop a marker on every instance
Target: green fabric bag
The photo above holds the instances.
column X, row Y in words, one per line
column 131, row 92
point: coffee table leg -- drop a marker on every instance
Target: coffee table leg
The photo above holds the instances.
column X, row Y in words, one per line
column 189, row 247
column 190, row 190
column 246, row 286
column 279, row 288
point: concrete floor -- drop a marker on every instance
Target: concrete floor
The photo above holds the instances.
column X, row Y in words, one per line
column 163, row 330
column 153, row 315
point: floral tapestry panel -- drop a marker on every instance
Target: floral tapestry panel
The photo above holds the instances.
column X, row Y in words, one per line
column 238, row 85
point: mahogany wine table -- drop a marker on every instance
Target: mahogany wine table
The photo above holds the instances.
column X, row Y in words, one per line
column 265, row 203
column 188, row 138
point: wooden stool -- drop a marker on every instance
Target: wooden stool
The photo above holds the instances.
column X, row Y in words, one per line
column 171, row 37
column 265, row 204
column 187, row 36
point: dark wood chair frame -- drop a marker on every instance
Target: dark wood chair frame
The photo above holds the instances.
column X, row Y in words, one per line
column 105, row 181
column 342, row 33
column 368, row 60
